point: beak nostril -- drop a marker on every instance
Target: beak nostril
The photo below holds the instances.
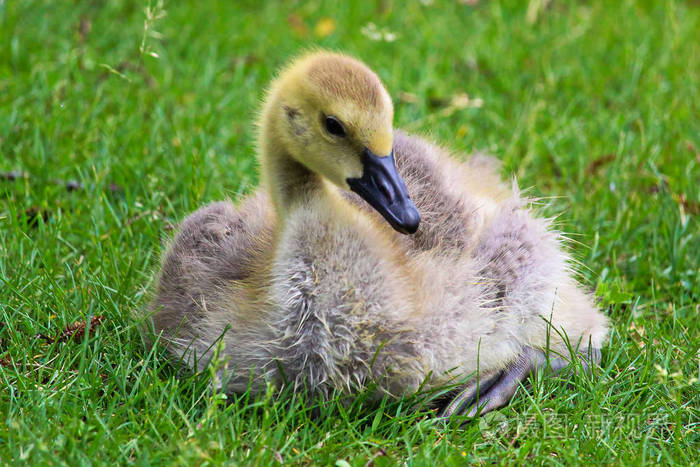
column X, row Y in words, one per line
column 387, row 192
column 384, row 188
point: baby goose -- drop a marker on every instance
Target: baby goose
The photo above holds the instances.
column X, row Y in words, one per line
column 329, row 277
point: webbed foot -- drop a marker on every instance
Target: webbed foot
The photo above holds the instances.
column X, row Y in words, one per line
column 493, row 391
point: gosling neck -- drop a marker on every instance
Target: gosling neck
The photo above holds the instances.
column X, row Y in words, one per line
column 287, row 181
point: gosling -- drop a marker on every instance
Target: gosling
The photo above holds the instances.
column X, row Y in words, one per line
column 370, row 258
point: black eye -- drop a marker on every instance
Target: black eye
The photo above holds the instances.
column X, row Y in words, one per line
column 334, row 127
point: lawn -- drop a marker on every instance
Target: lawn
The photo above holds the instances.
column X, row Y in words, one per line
column 116, row 120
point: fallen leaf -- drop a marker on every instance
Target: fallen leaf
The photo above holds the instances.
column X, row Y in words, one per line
column 74, row 331
column 598, row 163
column 84, row 28
column 691, row 147
column 324, row 27
column 33, row 214
column 408, row 97
column 241, row 60
column 296, row 24
column 690, row 206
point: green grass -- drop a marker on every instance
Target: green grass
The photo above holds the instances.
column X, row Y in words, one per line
column 596, row 103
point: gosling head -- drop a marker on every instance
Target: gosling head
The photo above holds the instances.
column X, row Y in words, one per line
column 332, row 114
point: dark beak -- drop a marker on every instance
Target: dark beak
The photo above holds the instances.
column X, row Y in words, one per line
column 383, row 188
